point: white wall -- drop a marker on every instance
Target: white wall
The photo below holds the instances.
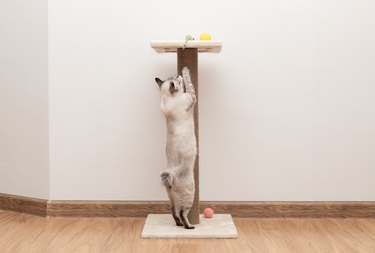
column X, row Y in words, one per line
column 287, row 110
column 24, row 98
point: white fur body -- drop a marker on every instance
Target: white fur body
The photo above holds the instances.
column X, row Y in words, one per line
column 177, row 104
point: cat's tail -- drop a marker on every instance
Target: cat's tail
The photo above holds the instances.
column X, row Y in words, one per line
column 166, row 178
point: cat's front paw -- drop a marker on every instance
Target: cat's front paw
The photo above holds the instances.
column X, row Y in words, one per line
column 185, row 71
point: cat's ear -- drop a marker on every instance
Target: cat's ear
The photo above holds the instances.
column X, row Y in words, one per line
column 159, row 81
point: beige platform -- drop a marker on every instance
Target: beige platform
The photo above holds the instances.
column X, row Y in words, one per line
column 171, row 46
column 163, row 226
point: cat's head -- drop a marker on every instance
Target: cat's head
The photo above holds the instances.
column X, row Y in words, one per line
column 171, row 86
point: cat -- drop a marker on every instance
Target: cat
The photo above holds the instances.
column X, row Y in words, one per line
column 177, row 104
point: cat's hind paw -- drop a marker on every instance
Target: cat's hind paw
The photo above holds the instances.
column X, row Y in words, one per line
column 179, row 224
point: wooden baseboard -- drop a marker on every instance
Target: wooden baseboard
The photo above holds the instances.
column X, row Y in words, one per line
column 256, row 209
column 23, row 204
column 296, row 209
column 246, row 209
column 105, row 208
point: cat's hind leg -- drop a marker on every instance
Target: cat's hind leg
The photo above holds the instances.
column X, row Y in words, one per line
column 183, row 215
column 173, row 207
column 175, row 217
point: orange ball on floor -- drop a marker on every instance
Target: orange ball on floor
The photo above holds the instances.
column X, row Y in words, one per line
column 208, row 212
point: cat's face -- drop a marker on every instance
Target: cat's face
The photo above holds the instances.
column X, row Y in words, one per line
column 172, row 86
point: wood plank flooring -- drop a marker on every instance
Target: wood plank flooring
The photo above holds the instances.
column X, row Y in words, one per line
column 28, row 233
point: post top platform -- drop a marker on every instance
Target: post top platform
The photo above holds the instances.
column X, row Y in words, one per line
column 171, row 46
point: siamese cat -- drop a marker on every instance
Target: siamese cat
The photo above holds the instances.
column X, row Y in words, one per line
column 177, row 104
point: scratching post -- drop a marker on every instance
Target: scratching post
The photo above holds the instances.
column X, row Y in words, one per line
column 189, row 57
column 163, row 225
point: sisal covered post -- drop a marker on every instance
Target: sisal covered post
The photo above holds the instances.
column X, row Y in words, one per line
column 189, row 57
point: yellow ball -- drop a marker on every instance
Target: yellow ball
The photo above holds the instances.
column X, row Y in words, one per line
column 205, row 36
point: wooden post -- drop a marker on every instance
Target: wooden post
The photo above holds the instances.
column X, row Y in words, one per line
column 189, row 57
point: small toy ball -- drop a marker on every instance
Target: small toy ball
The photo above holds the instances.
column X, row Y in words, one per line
column 208, row 212
column 189, row 37
column 205, row 36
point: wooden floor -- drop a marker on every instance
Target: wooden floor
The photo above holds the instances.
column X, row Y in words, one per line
column 27, row 233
